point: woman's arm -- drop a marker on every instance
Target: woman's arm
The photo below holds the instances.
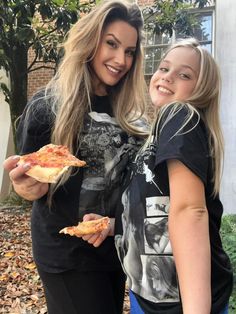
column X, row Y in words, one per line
column 189, row 236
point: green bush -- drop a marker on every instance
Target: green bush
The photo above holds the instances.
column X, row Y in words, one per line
column 228, row 234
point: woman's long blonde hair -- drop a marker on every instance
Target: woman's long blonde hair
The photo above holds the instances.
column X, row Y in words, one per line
column 205, row 100
column 71, row 89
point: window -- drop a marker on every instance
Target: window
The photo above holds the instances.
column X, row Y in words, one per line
column 155, row 44
column 204, row 31
column 154, row 48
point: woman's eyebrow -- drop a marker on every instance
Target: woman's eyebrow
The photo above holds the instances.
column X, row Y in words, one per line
column 117, row 40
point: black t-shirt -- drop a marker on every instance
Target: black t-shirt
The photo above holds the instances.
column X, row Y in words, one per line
column 142, row 238
column 95, row 188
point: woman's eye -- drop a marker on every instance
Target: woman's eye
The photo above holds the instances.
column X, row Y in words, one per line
column 130, row 53
column 111, row 43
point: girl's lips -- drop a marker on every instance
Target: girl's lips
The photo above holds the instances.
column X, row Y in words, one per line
column 164, row 90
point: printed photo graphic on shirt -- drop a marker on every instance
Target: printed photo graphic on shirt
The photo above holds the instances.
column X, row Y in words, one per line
column 106, row 148
column 128, row 252
column 156, row 236
column 157, row 205
column 159, row 279
column 142, row 163
column 102, row 117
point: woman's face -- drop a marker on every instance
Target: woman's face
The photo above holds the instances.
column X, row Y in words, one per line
column 176, row 76
column 114, row 56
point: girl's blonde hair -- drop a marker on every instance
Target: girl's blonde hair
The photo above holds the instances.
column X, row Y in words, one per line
column 205, row 101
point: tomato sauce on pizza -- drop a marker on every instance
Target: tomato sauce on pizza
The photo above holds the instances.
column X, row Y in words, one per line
column 50, row 162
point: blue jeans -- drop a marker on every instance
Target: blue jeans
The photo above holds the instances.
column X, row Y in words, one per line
column 136, row 309
column 134, row 306
column 225, row 310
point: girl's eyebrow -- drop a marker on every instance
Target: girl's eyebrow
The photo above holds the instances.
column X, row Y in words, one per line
column 182, row 65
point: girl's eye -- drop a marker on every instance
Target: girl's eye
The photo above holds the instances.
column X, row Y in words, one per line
column 163, row 69
column 184, row 76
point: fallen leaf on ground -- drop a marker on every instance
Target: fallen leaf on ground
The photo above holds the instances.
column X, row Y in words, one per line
column 21, row 290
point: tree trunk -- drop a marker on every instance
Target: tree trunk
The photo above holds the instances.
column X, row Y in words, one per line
column 18, row 82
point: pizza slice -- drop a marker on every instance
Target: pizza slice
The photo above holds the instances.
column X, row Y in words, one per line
column 87, row 227
column 50, row 162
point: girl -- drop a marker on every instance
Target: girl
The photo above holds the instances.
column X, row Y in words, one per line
column 92, row 106
column 181, row 162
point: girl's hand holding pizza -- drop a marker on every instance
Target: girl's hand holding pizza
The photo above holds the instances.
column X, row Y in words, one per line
column 24, row 185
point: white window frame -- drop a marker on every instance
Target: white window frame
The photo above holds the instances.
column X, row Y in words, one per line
column 155, row 60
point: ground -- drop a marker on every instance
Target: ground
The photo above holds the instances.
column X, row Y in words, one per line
column 20, row 286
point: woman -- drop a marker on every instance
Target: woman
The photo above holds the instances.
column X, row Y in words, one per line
column 92, row 106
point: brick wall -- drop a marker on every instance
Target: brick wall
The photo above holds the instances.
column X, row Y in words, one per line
column 38, row 78
column 145, row 2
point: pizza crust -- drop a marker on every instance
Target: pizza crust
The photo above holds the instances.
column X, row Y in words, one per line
column 42, row 162
column 45, row 175
column 87, row 227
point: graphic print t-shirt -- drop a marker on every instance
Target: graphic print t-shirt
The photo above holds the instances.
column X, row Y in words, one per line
column 142, row 238
column 106, row 149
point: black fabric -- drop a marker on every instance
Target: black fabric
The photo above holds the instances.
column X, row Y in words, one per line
column 34, row 127
column 54, row 252
column 191, row 148
column 75, row 292
column 142, row 238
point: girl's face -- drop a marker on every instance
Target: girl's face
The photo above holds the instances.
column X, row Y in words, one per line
column 176, row 76
column 114, row 56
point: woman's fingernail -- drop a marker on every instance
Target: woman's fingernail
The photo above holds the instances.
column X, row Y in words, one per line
column 15, row 157
column 26, row 166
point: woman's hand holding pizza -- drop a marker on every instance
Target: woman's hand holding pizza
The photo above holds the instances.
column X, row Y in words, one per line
column 32, row 173
column 24, row 185
column 94, row 229
column 96, row 239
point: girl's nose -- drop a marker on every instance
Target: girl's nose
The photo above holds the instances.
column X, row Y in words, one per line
column 168, row 78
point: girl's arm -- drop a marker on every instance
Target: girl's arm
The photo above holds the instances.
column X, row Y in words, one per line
column 189, row 236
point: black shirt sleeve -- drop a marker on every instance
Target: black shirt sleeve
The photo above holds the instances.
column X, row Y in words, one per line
column 188, row 145
column 35, row 124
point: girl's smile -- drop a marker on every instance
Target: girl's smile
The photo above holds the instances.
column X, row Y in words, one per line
column 176, row 76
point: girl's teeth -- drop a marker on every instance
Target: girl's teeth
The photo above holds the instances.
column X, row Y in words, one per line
column 164, row 90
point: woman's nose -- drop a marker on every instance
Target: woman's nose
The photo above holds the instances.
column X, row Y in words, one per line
column 120, row 58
